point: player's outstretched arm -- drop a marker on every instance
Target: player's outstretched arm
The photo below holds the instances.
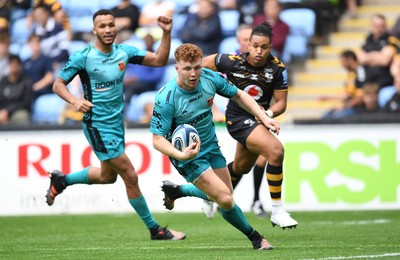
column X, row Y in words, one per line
column 160, row 56
column 60, row 88
column 251, row 106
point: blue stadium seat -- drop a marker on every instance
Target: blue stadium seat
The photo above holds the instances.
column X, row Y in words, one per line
column 136, row 41
column 175, row 43
column 229, row 21
column 134, row 110
column 19, row 32
column 302, row 28
column 109, row 4
column 81, row 23
column 76, row 46
column 169, row 73
column 229, row 45
column 79, row 8
column 47, row 109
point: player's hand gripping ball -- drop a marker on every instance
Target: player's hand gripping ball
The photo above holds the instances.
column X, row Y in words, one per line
column 183, row 136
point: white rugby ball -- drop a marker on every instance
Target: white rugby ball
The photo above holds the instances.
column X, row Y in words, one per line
column 183, row 136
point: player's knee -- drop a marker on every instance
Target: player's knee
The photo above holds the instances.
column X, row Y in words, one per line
column 225, row 201
column 109, row 179
column 241, row 169
column 277, row 155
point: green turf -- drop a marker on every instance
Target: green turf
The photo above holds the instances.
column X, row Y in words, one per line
column 331, row 235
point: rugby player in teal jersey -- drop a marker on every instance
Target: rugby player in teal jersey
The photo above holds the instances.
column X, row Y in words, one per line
column 188, row 98
column 101, row 68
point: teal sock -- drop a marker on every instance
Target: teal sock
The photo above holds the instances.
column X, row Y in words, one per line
column 140, row 206
column 192, row 191
column 237, row 219
column 78, row 177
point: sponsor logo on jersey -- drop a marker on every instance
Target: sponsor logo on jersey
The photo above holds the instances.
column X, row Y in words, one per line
column 121, row 65
column 254, row 77
column 255, row 91
column 269, row 77
column 237, row 75
column 107, row 60
column 97, row 72
column 195, row 98
column 101, row 86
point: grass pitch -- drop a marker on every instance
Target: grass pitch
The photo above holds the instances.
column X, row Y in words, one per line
column 320, row 235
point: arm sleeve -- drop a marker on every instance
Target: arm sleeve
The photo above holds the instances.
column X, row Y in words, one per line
column 135, row 56
column 163, row 112
column 75, row 63
column 225, row 62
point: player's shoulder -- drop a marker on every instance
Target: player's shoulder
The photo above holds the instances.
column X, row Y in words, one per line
column 82, row 53
column 276, row 62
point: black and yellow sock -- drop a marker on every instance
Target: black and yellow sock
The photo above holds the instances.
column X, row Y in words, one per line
column 275, row 179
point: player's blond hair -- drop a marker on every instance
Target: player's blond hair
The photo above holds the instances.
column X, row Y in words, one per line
column 188, row 52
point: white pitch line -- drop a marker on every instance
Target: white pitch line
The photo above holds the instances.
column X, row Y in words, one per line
column 354, row 257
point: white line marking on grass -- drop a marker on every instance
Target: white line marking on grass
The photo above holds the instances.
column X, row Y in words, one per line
column 355, row 256
column 355, row 222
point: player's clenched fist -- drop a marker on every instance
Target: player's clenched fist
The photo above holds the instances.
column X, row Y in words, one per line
column 165, row 23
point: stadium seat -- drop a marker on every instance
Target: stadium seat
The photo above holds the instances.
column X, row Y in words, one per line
column 79, row 8
column 82, row 23
column 47, row 109
column 302, row 28
column 19, row 31
column 76, row 46
column 229, row 45
column 229, row 22
column 169, row 73
column 136, row 41
column 175, row 43
column 134, row 110
column 109, row 4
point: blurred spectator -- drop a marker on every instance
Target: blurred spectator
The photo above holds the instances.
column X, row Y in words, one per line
column 15, row 95
column 139, row 79
column 4, row 53
column 126, row 18
column 393, row 105
column 203, row 28
column 395, row 30
column 149, row 15
column 353, row 92
column 39, row 69
column 57, row 12
column 369, row 103
column 6, row 8
column 55, row 39
column 148, row 113
column 377, row 52
column 248, row 9
column 280, row 30
column 243, row 33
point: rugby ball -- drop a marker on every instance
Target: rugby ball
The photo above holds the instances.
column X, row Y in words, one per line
column 183, row 136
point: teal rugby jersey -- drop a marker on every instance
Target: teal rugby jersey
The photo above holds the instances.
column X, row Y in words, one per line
column 102, row 77
column 174, row 106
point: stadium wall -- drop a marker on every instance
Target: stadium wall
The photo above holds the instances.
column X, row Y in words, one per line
column 327, row 167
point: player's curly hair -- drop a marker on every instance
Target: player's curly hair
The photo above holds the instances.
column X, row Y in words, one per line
column 188, row 52
column 263, row 29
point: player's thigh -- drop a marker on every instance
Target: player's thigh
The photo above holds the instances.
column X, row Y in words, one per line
column 124, row 167
column 223, row 174
column 244, row 159
column 262, row 141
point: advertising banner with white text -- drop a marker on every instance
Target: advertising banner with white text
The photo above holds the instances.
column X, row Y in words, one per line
column 327, row 167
